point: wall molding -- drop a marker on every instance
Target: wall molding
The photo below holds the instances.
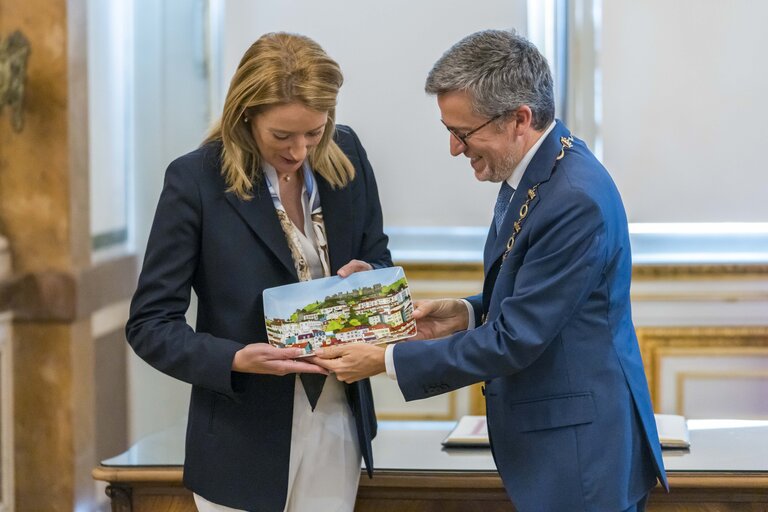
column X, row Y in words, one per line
column 682, row 378
column 691, row 271
column 68, row 296
column 656, row 342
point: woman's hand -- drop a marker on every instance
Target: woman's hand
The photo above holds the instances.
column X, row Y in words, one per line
column 352, row 267
column 264, row 358
column 439, row 318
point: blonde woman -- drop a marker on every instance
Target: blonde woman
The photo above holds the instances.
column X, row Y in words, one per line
column 276, row 194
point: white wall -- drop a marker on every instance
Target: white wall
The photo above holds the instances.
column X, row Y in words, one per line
column 385, row 50
column 171, row 118
column 109, row 118
column 683, row 107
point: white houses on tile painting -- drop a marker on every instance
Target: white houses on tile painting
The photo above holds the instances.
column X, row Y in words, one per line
column 363, row 315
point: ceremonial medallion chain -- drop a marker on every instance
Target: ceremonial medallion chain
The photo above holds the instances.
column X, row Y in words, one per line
column 567, row 143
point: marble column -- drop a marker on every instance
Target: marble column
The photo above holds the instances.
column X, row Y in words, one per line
column 44, row 215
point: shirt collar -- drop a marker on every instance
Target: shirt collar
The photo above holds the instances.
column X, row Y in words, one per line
column 517, row 175
column 309, row 198
column 271, row 175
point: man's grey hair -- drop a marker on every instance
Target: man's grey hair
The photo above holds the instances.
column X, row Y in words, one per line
column 501, row 71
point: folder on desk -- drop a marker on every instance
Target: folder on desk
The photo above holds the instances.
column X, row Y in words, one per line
column 673, row 431
column 469, row 432
column 472, row 431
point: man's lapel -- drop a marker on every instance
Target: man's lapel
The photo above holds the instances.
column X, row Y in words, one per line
column 538, row 171
column 339, row 221
column 259, row 213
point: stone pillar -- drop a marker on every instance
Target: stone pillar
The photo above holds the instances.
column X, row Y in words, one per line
column 44, row 214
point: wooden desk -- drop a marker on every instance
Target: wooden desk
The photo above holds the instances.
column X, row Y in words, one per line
column 726, row 470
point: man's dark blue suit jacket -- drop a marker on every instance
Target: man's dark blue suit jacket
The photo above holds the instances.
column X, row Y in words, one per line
column 569, row 413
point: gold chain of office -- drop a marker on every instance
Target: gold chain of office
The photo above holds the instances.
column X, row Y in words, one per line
column 567, row 143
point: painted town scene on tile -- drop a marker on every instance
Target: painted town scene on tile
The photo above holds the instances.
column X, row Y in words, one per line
column 366, row 307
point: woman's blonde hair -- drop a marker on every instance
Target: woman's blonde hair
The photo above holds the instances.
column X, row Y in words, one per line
column 277, row 69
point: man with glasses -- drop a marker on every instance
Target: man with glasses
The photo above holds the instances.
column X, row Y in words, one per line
column 551, row 335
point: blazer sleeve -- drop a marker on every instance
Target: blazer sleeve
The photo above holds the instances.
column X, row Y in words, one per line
column 157, row 329
column 374, row 243
column 559, row 271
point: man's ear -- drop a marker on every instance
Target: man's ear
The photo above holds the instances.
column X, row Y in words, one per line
column 522, row 119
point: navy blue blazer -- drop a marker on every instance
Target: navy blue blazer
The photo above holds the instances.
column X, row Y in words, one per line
column 229, row 250
column 569, row 413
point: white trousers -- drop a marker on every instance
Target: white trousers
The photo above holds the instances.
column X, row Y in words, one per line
column 324, row 467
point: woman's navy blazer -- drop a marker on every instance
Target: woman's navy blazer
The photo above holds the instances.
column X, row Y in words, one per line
column 229, row 250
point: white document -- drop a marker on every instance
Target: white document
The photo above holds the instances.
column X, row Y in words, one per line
column 469, row 431
column 673, row 431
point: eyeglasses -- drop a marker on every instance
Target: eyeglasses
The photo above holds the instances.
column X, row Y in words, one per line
column 463, row 137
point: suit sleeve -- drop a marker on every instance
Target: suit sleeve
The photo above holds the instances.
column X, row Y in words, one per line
column 157, row 329
column 560, row 269
column 476, row 301
column 374, row 244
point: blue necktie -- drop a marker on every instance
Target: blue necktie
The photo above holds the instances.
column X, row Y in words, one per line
column 502, row 203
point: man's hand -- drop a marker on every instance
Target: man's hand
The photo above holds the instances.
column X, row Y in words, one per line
column 352, row 362
column 352, row 267
column 264, row 358
column 439, row 318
